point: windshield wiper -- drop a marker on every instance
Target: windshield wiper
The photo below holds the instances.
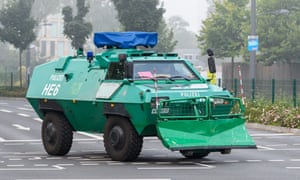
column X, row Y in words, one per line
column 172, row 78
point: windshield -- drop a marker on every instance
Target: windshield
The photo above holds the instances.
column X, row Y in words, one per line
column 162, row 69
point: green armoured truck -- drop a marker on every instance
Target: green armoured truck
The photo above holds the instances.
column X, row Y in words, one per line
column 127, row 93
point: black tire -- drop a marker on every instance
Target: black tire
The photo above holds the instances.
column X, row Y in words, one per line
column 121, row 141
column 57, row 134
column 194, row 154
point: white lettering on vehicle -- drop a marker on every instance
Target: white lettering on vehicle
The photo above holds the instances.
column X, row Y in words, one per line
column 50, row 89
column 190, row 94
column 162, row 111
column 56, row 77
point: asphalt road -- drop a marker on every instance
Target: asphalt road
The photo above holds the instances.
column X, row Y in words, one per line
column 22, row 156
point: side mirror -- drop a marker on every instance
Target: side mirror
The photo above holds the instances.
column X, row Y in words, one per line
column 211, row 61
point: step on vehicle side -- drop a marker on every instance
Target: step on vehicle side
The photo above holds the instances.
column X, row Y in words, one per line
column 127, row 93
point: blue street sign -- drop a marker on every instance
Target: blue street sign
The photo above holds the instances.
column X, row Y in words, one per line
column 253, row 43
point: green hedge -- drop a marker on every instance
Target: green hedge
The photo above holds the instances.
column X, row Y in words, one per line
column 12, row 92
column 277, row 114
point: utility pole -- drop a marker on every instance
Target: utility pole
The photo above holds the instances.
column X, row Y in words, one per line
column 253, row 33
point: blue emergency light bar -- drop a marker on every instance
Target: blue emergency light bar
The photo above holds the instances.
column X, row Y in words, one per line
column 125, row 40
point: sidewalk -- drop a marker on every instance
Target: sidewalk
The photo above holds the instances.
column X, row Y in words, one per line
column 273, row 128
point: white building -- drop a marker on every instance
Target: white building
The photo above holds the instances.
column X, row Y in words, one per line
column 51, row 41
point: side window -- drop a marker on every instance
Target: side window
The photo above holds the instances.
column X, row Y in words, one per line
column 115, row 71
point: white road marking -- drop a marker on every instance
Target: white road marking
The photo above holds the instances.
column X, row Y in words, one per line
column 90, row 135
column 273, row 134
column 15, row 165
column 2, row 139
column 231, row 161
column 89, row 164
column 176, row 168
column 25, row 109
column 253, row 160
column 20, row 127
column 277, row 145
column 5, row 110
column 59, row 167
column 41, row 165
column 29, row 169
column 54, row 158
column 65, row 164
column 99, row 179
column 264, row 147
column 23, row 115
column 36, row 140
column 13, row 144
column 15, row 159
column 292, row 167
column 34, row 158
column 276, row 160
column 295, row 160
column 38, row 119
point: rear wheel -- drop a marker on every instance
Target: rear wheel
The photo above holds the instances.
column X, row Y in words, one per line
column 121, row 141
column 194, row 154
column 57, row 134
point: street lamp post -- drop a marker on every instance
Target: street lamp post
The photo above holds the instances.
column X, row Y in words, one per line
column 253, row 33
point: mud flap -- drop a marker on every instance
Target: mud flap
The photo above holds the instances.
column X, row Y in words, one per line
column 204, row 134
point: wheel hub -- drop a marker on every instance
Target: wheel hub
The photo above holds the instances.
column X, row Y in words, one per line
column 116, row 137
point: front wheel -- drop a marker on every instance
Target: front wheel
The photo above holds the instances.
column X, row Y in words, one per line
column 194, row 154
column 57, row 134
column 121, row 141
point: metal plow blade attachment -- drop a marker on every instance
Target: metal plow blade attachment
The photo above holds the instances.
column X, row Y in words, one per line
column 210, row 123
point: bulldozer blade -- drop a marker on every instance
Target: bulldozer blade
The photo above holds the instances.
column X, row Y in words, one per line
column 204, row 134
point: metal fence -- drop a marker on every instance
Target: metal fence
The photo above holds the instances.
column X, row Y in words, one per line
column 9, row 80
column 273, row 90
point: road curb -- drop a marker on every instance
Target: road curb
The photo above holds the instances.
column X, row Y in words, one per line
column 273, row 128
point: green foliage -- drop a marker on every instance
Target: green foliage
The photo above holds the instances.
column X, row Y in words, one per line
column 17, row 26
column 278, row 27
column 278, row 114
column 13, row 92
column 8, row 59
column 165, row 39
column 144, row 15
column 223, row 29
column 185, row 38
column 75, row 28
column 139, row 15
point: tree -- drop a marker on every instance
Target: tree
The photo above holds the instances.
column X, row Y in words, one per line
column 139, row 15
column 75, row 28
column 278, row 27
column 145, row 15
column 223, row 29
column 17, row 27
column 103, row 16
column 165, row 38
column 186, row 39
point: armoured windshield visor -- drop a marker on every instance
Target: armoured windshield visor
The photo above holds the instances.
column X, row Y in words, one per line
column 161, row 70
